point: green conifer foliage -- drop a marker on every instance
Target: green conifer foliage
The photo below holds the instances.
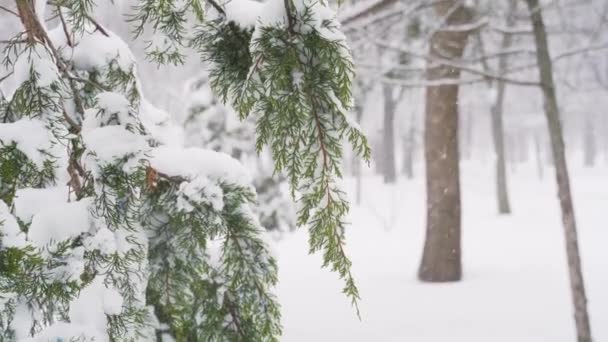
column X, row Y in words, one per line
column 106, row 234
column 295, row 77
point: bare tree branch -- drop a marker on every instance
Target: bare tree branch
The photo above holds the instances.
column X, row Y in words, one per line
column 8, row 10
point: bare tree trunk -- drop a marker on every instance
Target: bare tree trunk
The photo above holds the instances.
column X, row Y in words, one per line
column 409, row 145
column 389, row 169
column 501, row 169
column 378, row 156
column 589, row 143
column 441, row 258
column 539, row 156
column 577, row 287
column 502, row 194
column 467, row 136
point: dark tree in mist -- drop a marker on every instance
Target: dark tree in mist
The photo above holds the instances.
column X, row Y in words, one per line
column 545, row 67
column 441, row 259
column 389, row 168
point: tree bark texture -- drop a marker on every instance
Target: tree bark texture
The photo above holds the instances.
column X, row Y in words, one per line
column 589, row 142
column 441, row 259
column 389, row 168
column 545, row 66
column 409, row 147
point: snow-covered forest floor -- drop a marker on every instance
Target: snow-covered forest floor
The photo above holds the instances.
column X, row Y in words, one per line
column 515, row 286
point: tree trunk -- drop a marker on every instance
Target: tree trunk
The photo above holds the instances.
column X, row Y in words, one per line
column 378, row 156
column 539, row 156
column 389, row 169
column 577, row 287
column 441, row 258
column 409, row 145
column 589, row 144
column 502, row 194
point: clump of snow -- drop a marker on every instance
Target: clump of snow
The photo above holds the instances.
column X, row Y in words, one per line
column 37, row 61
column 110, row 109
column 72, row 268
column 30, row 201
column 248, row 13
column 200, row 190
column 112, row 102
column 199, row 92
column 244, row 12
column 10, row 234
column 93, row 51
column 103, row 240
column 111, row 142
column 112, row 301
column 273, row 13
column 20, row 325
column 31, row 136
column 193, row 162
column 159, row 125
column 61, row 222
column 94, row 302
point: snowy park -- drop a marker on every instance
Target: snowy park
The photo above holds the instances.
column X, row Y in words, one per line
column 303, row 170
column 515, row 280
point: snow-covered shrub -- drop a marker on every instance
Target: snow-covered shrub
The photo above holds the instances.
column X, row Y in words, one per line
column 112, row 231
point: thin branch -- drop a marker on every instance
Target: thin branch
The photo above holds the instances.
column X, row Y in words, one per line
column 98, row 27
column 498, row 54
column 290, row 17
column 92, row 20
column 561, row 56
column 381, row 12
column 15, row 41
column 455, row 81
column 466, row 27
column 234, row 315
column 6, row 76
column 6, row 9
column 217, row 7
column 455, row 65
column 65, row 27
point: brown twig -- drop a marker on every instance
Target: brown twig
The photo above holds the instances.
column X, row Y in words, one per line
column 290, row 17
column 98, row 27
column 15, row 41
column 28, row 18
column 65, row 27
column 234, row 316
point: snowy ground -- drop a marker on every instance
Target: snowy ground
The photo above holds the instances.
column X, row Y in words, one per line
column 515, row 286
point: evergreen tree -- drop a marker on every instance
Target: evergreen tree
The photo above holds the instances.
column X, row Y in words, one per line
column 108, row 232
column 211, row 124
